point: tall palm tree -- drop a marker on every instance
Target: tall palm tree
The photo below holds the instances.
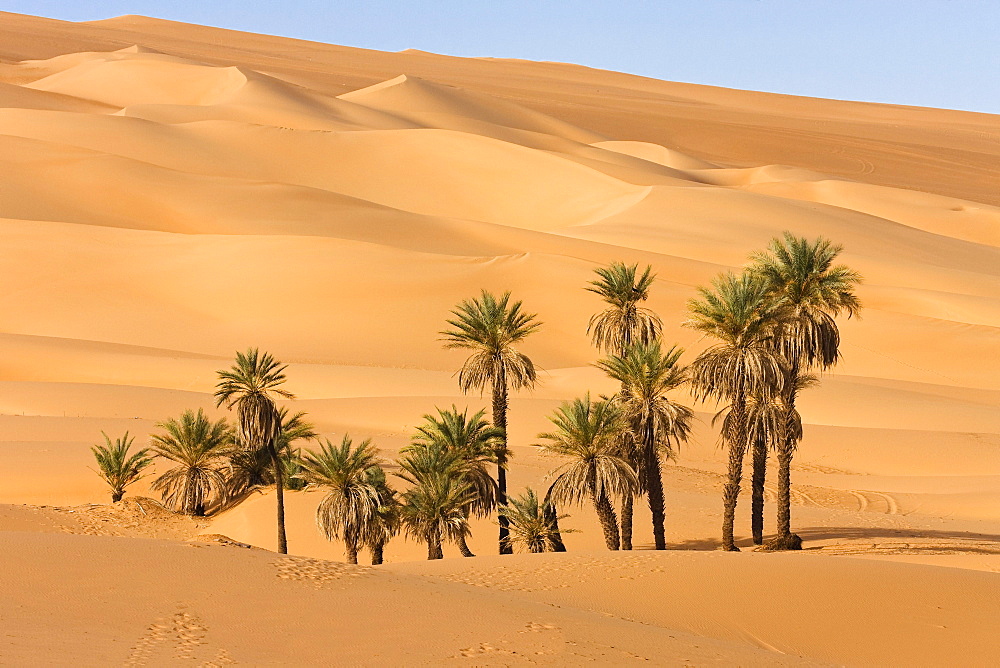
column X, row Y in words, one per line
column 490, row 327
column 117, row 466
column 200, row 448
column 475, row 442
column 739, row 312
column 622, row 323
column 801, row 276
column 647, row 374
column 433, row 509
column 531, row 525
column 250, row 386
column 589, row 434
column 348, row 510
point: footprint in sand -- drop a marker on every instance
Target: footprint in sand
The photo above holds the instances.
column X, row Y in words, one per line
column 177, row 638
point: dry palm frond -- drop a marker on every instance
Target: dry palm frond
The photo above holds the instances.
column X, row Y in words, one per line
column 200, row 448
column 250, row 386
column 623, row 322
column 117, row 466
column 588, row 434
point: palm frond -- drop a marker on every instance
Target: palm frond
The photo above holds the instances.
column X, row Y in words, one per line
column 117, row 466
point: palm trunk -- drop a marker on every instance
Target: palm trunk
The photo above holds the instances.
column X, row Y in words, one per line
column 552, row 518
column 434, row 544
column 609, row 523
column 351, row 551
column 463, row 547
column 731, row 491
column 626, row 521
column 500, row 422
column 377, row 555
column 280, row 494
column 117, row 496
column 654, row 491
column 757, row 499
column 786, row 540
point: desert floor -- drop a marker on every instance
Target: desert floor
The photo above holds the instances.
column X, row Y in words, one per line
column 172, row 193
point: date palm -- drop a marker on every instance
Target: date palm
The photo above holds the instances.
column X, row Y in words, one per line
column 200, row 448
column 117, row 466
column 531, row 523
column 490, row 327
column 385, row 522
column 475, row 442
column 251, row 386
column 433, row 509
column 802, row 278
column 622, row 323
column 740, row 313
column 656, row 422
column 349, row 509
column 589, row 435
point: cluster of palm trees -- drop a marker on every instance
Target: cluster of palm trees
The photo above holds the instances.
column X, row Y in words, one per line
column 774, row 324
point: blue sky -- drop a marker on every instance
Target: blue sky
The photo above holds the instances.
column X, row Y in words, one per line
column 939, row 53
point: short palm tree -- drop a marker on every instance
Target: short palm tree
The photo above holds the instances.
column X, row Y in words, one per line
column 531, row 524
column 802, row 277
column 475, row 442
column 385, row 523
column 200, row 448
column 117, row 466
column 656, row 422
column 433, row 509
column 740, row 313
column 623, row 323
column 491, row 327
column 589, row 435
column 348, row 510
column 250, row 386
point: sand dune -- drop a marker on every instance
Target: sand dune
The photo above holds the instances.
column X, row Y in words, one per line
column 172, row 193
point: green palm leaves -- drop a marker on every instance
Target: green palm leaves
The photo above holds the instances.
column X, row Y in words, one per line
column 588, row 436
column 199, row 447
column 533, row 527
column 623, row 322
column 117, row 466
column 490, row 327
column 350, row 509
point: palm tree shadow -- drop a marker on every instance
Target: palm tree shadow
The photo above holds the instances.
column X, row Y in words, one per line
column 813, row 534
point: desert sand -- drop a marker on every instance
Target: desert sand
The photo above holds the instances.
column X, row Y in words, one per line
column 171, row 193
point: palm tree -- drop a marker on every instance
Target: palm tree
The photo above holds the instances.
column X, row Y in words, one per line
column 739, row 312
column 200, row 448
column 117, row 467
column 474, row 441
column 490, row 327
column 352, row 499
column 622, row 323
column 433, row 509
column 385, row 522
column 656, row 422
column 531, row 525
column 589, row 435
column 802, row 277
column 250, row 386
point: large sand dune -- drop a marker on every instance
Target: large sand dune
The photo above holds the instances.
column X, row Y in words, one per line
column 171, row 193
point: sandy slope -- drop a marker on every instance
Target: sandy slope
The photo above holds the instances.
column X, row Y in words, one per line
column 171, row 193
